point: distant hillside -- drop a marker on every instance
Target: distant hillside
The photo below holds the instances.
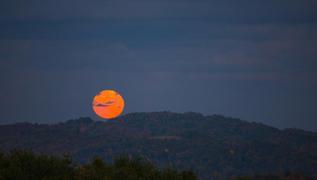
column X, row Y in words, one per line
column 211, row 146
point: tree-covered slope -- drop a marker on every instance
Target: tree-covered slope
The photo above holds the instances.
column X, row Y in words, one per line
column 211, row 146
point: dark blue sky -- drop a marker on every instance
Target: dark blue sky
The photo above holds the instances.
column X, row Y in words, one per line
column 251, row 59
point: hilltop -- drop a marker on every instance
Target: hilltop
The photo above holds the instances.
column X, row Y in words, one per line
column 211, row 146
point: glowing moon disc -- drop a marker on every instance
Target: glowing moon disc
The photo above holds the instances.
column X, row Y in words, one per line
column 108, row 104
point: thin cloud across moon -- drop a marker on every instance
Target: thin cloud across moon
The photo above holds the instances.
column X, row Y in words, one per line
column 108, row 104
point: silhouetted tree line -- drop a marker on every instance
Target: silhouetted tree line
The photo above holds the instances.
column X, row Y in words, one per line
column 283, row 176
column 214, row 147
column 26, row 165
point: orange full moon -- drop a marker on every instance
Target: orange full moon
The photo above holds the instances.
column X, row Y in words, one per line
column 108, row 104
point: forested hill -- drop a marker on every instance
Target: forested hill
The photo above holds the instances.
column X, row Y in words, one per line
column 211, row 146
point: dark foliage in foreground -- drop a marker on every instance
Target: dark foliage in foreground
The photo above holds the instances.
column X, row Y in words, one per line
column 214, row 147
column 29, row 166
column 284, row 176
